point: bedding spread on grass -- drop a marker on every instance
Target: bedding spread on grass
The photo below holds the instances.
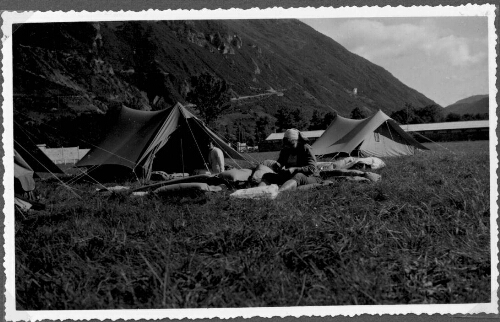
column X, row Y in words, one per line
column 420, row 235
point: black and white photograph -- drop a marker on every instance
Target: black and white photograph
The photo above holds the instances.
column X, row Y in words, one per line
column 260, row 162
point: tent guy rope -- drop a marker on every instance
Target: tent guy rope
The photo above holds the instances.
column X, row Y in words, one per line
column 81, row 140
column 41, row 164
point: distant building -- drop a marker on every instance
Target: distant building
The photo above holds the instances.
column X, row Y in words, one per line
column 241, row 147
column 63, row 155
column 446, row 131
column 450, row 131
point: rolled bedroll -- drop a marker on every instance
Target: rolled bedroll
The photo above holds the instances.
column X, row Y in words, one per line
column 188, row 186
column 200, row 178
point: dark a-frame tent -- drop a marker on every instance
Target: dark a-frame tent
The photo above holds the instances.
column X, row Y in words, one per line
column 172, row 140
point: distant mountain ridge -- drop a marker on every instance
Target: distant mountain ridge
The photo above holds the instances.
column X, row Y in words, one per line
column 476, row 104
column 62, row 70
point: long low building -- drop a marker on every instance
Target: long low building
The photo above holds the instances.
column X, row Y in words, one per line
column 449, row 131
column 444, row 126
column 445, row 131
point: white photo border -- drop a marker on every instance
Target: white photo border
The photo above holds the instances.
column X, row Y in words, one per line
column 10, row 18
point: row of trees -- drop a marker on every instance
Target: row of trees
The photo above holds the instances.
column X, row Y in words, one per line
column 454, row 117
column 211, row 96
column 253, row 134
column 431, row 114
column 286, row 118
column 428, row 114
column 412, row 115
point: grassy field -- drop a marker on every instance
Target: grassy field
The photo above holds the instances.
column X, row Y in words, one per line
column 420, row 235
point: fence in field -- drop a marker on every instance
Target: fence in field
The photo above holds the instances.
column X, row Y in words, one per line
column 64, row 155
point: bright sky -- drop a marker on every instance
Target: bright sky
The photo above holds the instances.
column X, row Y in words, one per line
column 444, row 58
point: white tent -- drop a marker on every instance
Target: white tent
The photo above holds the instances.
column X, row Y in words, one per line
column 377, row 136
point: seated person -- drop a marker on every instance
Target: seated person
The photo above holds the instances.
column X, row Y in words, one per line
column 215, row 158
column 296, row 164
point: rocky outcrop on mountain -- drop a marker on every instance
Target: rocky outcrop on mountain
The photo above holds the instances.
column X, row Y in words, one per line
column 66, row 69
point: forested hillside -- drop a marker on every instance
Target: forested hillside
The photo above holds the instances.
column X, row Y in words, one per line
column 69, row 75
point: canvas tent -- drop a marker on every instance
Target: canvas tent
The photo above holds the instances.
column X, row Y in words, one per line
column 23, row 175
column 375, row 136
column 28, row 160
column 171, row 140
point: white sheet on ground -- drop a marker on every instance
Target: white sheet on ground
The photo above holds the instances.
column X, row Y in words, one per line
column 264, row 192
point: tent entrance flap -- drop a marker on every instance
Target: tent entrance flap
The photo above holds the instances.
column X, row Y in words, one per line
column 183, row 152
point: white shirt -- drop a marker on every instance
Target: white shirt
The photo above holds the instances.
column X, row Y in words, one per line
column 216, row 160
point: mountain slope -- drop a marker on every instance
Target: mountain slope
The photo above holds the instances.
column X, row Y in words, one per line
column 62, row 70
column 470, row 105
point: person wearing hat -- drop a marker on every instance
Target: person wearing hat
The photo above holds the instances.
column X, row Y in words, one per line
column 296, row 165
column 215, row 158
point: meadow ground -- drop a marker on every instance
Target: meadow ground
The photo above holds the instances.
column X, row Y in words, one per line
column 420, row 235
